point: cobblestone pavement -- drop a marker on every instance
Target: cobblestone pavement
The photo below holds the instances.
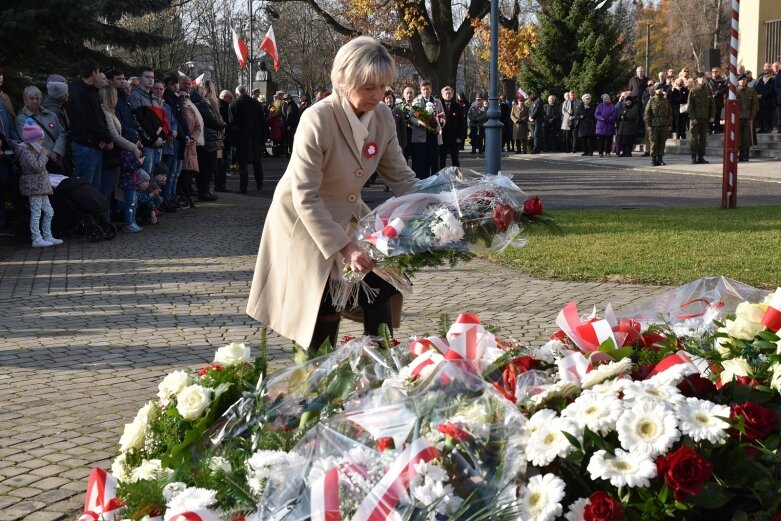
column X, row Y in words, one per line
column 88, row 330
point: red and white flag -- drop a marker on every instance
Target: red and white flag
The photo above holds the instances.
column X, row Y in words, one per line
column 242, row 53
column 269, row 44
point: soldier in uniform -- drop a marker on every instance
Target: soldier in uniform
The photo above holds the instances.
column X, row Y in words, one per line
column 701, row 112
column 659, row 118
column 749, row 106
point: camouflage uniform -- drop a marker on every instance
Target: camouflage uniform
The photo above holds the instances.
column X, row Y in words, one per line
column 749, row 106
column 659, row 118
column 701, row 108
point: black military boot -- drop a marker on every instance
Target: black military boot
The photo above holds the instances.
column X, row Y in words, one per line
column 694, row 159
column 701, row 160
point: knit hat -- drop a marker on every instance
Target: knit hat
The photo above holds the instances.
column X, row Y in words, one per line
column 142, row 176
column 31, row 133
column 57, row 90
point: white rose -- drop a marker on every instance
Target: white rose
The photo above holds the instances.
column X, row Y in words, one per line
column 149, row 469
column 232, row 354
column 132, row 436
column 734, row 368
column 118, row 469
column 217, row 464
column 192, row 401
column 172, row 489
column 723, row 346
column 775, row 380
column 172, row 384
column 747, row 323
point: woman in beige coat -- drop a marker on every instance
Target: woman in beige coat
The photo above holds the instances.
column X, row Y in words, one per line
column 305, row 245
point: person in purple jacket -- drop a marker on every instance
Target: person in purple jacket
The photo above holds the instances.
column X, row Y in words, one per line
column 606, row 125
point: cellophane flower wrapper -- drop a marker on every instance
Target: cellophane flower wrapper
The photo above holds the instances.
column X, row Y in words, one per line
column 443, row 444
column 354, row 368
column 693, row 307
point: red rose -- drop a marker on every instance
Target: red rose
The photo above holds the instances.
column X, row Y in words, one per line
column 458, row 434
column 532, row 206
column 603, row 507
column 759, row 421
column 213, row 367
column 651, row 339
column 384, row 444
column 695, row 386
column 503, row 216
column 685, row 472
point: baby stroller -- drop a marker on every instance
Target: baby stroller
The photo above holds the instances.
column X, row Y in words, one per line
column 80, row 208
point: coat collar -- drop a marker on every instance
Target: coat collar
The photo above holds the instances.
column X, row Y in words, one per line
column 344, row 123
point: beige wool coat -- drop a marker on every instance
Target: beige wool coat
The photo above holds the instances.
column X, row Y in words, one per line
column 314, row 202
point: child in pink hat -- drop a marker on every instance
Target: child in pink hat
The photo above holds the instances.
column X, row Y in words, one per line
column 34, row 183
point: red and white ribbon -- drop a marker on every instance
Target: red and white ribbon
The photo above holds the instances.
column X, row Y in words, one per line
column 427, row 359
column 772, row 317
column 573, row 367
column 381, row 239
column 681, row 357
column 466, row 340
column 196, row 514
column 380, row 503
column 589, row 336
column 101, row 502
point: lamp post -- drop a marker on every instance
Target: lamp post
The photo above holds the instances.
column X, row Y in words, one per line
column 493, row 128
column 250, row 56
column 648, row 28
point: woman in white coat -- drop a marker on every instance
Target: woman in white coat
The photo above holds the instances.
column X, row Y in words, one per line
column 305, row 245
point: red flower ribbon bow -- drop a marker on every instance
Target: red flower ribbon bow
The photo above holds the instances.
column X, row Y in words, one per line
column 371, row 149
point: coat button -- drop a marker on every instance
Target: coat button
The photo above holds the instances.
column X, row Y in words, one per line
column 359, row 173
column 352, row 198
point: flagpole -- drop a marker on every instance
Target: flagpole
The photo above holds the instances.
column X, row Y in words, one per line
column 250, row 56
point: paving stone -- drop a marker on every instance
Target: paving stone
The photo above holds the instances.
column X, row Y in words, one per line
column 46, row 515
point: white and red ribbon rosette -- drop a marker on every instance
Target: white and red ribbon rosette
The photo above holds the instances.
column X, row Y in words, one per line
column 196, row 514
column 772, row 317
column 590, row 334
column 101, row 502
column 466, row 340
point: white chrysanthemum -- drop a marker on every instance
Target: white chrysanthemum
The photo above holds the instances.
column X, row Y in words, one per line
column 171, row 385
column 172, row 489
column 646, row 391
column 220, row 464
column 259, row 466
column 552, row 351
column 446, row 228
column 190, row 499
column 149, row 469
column 538, row 419
column 541, row 499
column 597, row 412
column 611, row 387
column 672, row 376
column 577, row 510
column 605, row 372
column 648, row 428
column 734, row 368
column 699, row 419
column 430, row 492
column 555, row 391
column 549, row 442
column 623, row 469
column 361, row 455
column 475, row 420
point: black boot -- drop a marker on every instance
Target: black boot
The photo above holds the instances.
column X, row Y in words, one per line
column 660, row 161
column 654, row 161
column 326, row 328
column 694, row 159
column 376, row 314
column 702, row 160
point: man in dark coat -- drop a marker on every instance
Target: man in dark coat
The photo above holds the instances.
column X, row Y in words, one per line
column 537, row 119
column 587, row 125
column 639, row 83
column 290, row 115
column 552, row 113
column 451, row 132
column 247, row 117
column 226, row 98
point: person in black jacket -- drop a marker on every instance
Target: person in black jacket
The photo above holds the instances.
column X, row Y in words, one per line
column 224, row 164
column 537, row 119
column 248, row 118
column 207, row 154
column 451, row 132
column 183, row 136
column 628, row 124
column 552, row 113
column 507, row 124
column 89, row 131
column 587, row 125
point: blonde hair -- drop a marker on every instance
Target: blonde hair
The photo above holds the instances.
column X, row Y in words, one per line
column 361, row 61
column 108, row 97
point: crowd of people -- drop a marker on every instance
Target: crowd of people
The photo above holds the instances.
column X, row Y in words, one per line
column 157, row 144
column 148, row 144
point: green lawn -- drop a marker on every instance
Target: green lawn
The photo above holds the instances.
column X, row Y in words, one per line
column 656, row 246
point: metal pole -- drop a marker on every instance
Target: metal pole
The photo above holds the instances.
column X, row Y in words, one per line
column 493, row 128
column 250, row 56
column 648, row 49
column 729, row 183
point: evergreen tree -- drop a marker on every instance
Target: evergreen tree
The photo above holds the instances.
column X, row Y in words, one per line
column 579, row 46
column 47, row 36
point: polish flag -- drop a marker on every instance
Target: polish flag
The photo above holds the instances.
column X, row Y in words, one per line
column 269, row 44
column 241, row 49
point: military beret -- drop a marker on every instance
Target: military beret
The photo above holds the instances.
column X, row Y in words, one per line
column 742, row 76
column 700, row 74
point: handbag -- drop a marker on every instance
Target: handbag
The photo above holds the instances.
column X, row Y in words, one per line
column 684, row 108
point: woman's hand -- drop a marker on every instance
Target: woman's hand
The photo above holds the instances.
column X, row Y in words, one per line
column 356, row 258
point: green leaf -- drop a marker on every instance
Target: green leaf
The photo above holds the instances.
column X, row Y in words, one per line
column 713, row 495
column 221, row 389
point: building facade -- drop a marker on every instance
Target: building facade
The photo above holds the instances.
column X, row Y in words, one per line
column 760, row 33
